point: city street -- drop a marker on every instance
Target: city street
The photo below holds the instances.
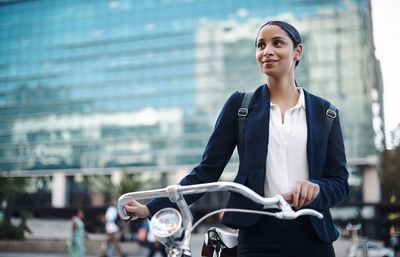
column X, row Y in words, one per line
column 340, row 249
column 56, row 233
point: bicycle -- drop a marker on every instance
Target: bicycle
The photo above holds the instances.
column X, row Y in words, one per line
column 173, row 229
column 361, row 246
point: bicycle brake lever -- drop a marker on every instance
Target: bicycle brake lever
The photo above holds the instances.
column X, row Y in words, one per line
column 310, row 212
column 290, row 215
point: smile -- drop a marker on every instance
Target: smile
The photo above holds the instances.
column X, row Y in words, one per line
column 269, row 62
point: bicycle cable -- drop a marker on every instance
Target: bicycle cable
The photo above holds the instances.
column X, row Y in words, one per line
column 231, row 210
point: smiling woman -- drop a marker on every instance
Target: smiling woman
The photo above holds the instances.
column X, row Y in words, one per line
column 293, row 146
column 291, row 32
column 277, row 53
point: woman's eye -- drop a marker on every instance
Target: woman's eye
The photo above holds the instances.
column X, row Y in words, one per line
column 260, row 45
column 278, row 43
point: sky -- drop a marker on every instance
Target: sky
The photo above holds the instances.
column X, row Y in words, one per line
column 386, row 22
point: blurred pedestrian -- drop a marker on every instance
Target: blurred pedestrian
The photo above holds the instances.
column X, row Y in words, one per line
column 394, row 240
column 112, row 230
column 77, row 247
column 147, row 237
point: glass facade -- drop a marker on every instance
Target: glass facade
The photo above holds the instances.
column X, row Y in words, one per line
column 105, row 84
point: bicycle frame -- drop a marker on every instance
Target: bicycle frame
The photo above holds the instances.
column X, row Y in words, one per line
column 177, row 246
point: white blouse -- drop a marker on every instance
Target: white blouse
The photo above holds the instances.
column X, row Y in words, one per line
column 287, row 148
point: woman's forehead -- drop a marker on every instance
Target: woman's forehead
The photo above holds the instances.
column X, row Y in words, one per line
column 272, row 31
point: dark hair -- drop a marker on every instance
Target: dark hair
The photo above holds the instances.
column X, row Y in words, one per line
column 289, row 29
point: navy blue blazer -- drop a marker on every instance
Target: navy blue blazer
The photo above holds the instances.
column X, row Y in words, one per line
column 325, row 153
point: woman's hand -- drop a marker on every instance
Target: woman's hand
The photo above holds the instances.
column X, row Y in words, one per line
column 303, row 194
column 136, row 209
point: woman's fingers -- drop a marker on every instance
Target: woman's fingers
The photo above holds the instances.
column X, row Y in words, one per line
column 131, row 209
column 304, row 193
column 134, row 208
column 296, row 194
column 310, row 197
column 313, row 194
column 288, row 197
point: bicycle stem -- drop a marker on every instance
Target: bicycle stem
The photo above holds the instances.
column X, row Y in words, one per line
column 176, row 197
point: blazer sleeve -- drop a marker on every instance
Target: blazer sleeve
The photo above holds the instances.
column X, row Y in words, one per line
column 334, row 187
column 216, row 155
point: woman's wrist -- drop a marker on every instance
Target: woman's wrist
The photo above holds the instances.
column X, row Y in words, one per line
column 147, row 211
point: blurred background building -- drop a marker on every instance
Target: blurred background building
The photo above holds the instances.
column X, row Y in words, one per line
column 90, row 88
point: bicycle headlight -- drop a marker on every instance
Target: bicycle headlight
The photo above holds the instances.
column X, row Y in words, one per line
column 167, row 226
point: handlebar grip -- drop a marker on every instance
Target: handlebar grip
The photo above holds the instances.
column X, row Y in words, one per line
column 122, row 212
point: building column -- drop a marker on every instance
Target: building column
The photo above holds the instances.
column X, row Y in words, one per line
column 59, row 190
column 116, row 177
column 371, row 184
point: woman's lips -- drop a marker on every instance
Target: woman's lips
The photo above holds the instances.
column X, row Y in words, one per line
column 269, row 62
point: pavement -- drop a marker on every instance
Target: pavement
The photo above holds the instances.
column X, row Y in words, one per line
column 49, row 237
column 17, row 254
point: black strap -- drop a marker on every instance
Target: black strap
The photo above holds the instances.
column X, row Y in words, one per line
column 330, row 116
column 243, row 111
column 242, row 114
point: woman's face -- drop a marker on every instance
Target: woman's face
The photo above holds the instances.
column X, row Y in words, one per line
column 275, row 54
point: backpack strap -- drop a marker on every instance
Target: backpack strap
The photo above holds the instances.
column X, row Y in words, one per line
column 242, row 114
column 330, row 116
column 243, row 111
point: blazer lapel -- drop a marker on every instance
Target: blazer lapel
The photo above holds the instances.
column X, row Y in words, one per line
column 256, row 131
column 310, row 139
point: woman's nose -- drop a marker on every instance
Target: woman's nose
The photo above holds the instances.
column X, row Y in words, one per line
column 267, row 51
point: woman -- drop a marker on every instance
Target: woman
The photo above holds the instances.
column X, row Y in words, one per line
column 77, row 247
column 288, row 149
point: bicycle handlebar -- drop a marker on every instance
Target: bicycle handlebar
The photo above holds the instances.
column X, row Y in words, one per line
column 174, row 191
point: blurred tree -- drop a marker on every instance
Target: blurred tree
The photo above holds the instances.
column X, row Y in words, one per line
column 129, row 183
column 9, row 188
column 391, row 170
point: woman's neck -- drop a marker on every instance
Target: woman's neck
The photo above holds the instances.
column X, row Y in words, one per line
column 283, row 91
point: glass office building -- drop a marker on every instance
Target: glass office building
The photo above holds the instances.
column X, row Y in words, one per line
column 87, row 87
